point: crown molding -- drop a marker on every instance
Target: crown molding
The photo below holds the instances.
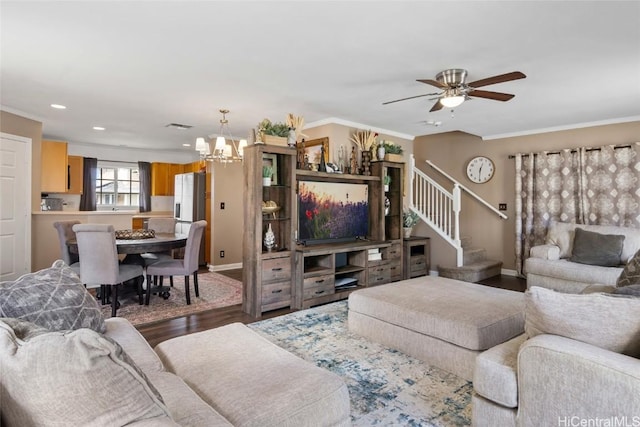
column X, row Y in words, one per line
column 348, row 123
column 564, row 127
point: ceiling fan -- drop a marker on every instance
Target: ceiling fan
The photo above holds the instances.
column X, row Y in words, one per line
column 455, row 89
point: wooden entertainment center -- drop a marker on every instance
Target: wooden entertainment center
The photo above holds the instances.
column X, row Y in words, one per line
column 296, row 275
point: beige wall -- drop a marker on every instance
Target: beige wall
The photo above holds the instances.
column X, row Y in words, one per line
column 227, row 224
column 451, row 152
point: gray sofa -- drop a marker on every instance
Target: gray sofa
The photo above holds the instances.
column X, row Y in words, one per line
column 549, row 265
column 83, row 370
column 545, row 377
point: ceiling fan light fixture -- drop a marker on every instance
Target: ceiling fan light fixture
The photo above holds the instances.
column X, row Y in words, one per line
column 452, row 101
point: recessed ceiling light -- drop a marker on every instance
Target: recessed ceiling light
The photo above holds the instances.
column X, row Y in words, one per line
column 186, row 145
column 98, row 128
column 58, row 106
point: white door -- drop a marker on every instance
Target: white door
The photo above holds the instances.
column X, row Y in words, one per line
column 15, row 207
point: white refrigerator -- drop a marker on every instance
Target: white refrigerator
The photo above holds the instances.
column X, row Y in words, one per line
column 189, row 203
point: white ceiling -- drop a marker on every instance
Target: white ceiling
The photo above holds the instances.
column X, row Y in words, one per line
column 134, row 67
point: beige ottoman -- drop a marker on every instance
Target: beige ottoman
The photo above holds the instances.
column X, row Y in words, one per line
column 441, row 321
column 252, row 382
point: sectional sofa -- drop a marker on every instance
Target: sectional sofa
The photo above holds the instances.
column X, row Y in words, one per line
column 551, row 265
column 61, row 363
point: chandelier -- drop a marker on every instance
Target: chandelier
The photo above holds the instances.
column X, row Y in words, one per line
column 226, row 149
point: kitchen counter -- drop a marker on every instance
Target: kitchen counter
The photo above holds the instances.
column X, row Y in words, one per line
column 83, row 213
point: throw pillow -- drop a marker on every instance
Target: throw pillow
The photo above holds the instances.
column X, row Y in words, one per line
column 53, row 298
column 560, row 234
column 70, row 378
column 602, row 320
column 631, row 273
column 597, row 249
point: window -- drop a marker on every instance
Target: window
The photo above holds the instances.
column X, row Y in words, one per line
column 117, row 186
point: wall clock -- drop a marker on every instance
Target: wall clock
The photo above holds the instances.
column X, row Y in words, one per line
column 480, row 169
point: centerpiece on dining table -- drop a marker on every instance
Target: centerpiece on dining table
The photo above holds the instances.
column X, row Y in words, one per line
column 135, row 234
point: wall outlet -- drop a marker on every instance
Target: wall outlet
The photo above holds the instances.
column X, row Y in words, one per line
column 221, row 205
column 502, row 207
column 221, row 254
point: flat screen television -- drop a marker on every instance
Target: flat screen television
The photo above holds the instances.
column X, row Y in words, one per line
column 332, row 211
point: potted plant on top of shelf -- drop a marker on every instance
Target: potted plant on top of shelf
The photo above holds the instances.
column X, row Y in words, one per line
column 273, row 133
column 393, row 152
column 409, row 219
column 267, row 173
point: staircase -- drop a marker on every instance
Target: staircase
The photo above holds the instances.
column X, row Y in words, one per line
column 440, row 209
column 475, row 265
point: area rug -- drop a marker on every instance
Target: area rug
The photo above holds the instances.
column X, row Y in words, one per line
column 216, row 291
column 386, row 387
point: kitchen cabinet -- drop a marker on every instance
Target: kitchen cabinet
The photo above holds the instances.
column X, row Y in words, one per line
column 75, row 174
column 54, row 167
column 162, row 177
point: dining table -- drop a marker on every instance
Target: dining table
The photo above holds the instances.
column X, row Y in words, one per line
column 133, row 248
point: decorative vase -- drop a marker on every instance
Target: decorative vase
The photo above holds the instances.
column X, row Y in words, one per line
column 291, row 139
column 269, row 239
column 366, row 162
column 387, row 206
column 381, row 152
column 266, row 181
column 386, row 188
column 407, row 231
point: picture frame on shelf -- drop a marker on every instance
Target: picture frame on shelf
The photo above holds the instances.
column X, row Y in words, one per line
column 313, row 148
column 271, row 160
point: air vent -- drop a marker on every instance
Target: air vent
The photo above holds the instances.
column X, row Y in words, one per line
column 178, row 126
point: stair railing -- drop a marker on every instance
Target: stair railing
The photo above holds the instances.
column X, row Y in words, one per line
column 462, row 187
column 437, row 207
column 440, row 208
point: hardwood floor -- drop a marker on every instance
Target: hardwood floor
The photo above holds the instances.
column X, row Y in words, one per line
column 157, row 332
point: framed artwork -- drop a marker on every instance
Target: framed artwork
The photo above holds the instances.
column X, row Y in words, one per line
column 313, row 149
column 271, row 160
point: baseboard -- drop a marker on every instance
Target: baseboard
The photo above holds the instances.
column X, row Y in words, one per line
column 509, row 272
column 224, row 267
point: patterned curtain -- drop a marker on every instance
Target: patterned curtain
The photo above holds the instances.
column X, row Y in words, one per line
column 584, row 186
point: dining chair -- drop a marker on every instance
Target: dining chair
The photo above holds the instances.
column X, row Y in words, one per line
column 65, row 233
column 99, row 263
column 159, row 225
column 181, row 267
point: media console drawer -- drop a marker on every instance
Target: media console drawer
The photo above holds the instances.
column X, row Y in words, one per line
column 276, row 295
column 313, row 287
column 379, row 275
column 276, row 269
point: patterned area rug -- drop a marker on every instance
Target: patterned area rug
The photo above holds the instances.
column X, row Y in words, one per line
column 387, row 388
column 216, row 291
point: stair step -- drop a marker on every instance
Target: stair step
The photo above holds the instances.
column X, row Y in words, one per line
column 473, row 255
column 472, row 272
column 465, row 242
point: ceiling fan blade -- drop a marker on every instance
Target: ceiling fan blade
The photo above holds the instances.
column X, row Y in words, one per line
column 437, row 106
column 411, row 97
column 433, row 83
column 515, row 75
column 497, row 96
